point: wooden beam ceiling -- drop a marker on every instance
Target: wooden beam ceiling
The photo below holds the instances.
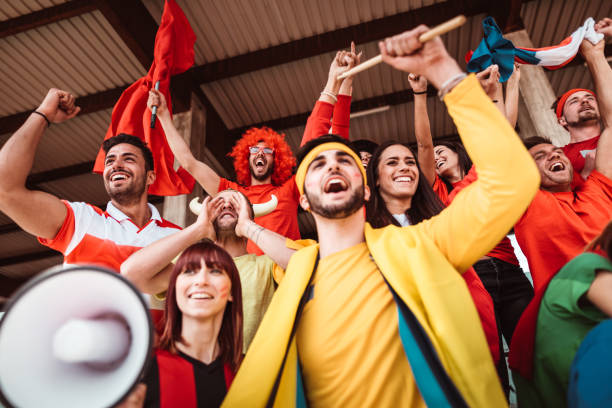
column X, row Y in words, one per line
column 337, row 39
column 261, row 59
column 391, row 99
column 507, row 14
column 88, row 104
column 134, row 24
column 46, row 16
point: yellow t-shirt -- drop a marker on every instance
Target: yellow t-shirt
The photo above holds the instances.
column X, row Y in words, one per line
column 348, row 337
column 257, row 281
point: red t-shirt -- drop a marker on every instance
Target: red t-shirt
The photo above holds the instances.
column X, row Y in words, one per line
column 504, row 249
column 283, row 220
column 557, row 226
column 575, row 153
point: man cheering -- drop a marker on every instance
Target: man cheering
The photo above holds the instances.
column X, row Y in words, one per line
column 381, row 317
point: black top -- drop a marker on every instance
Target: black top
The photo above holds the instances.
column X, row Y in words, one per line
column 209, row 382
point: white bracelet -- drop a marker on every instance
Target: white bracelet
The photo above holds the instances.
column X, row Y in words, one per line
column 330, row 94
column 449, row 84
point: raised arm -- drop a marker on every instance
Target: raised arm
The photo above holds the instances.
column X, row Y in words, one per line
column 271, row 243
column 483, row 212
column 38, row 213
column 342, row 109
column 489, row 80
column 149, row 268
column 319, row 121
column 602, row 78
column 204, row 175
column 600, row 70
column 512, row 95
column 422, row 129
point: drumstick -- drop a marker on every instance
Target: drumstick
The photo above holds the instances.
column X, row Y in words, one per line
column 427, row 36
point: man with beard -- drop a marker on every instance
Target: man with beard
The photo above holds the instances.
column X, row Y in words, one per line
column 263, row 160
column 565, row 215
column 381, row 317
column 83, row 233
column 558, row 224
column 577, row 110
column 226, row 219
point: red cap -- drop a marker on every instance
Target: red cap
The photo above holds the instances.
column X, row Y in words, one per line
column 563, row 98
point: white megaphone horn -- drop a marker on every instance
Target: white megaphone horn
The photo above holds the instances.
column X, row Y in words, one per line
column 79, row 336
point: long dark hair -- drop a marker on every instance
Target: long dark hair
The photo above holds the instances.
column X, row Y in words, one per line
column 425, row 202
column 230, row 335
column 464, row 161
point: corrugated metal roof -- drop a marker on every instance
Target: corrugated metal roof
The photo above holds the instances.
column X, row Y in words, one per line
column 71, row 142
column 86, row 187
column 548, row 22
column 233, row 27
column 83, row 54
column 292, row 88
column 15, row 8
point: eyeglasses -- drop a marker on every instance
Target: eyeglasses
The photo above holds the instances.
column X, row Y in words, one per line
column 257, row 149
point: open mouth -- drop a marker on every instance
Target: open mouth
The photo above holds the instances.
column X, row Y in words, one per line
column 260, row 163
column 556, row 167
column 440, row 163
column 118, row 176
column 403, row 179
column 227, row 214
column 200, row 296
column 335, row 185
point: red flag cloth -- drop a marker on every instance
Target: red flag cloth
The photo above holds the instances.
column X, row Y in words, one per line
column 173, row 54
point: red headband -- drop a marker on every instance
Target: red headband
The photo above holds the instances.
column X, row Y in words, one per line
column 563, row 98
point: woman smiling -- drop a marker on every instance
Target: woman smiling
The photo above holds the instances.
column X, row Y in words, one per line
column 201, row 346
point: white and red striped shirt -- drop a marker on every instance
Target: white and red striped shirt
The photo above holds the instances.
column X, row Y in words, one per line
column 105, row 238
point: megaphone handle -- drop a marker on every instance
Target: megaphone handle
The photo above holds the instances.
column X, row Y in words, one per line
column 154, row 110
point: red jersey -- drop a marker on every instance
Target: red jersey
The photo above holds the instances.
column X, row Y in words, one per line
column 106, row 238
column 557, row 226
column 575, row 152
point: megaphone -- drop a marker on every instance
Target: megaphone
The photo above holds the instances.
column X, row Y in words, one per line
column 77, row 336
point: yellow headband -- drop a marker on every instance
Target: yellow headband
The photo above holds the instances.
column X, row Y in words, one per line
column 300, row 176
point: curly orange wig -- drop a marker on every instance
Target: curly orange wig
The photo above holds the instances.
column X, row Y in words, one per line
column 284, row 161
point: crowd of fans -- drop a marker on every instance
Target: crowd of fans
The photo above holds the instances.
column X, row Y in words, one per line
column 412, row 285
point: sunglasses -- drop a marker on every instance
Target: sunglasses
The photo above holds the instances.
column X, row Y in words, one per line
column 257, row 149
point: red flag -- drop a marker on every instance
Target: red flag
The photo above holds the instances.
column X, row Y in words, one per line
column 173, row 54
